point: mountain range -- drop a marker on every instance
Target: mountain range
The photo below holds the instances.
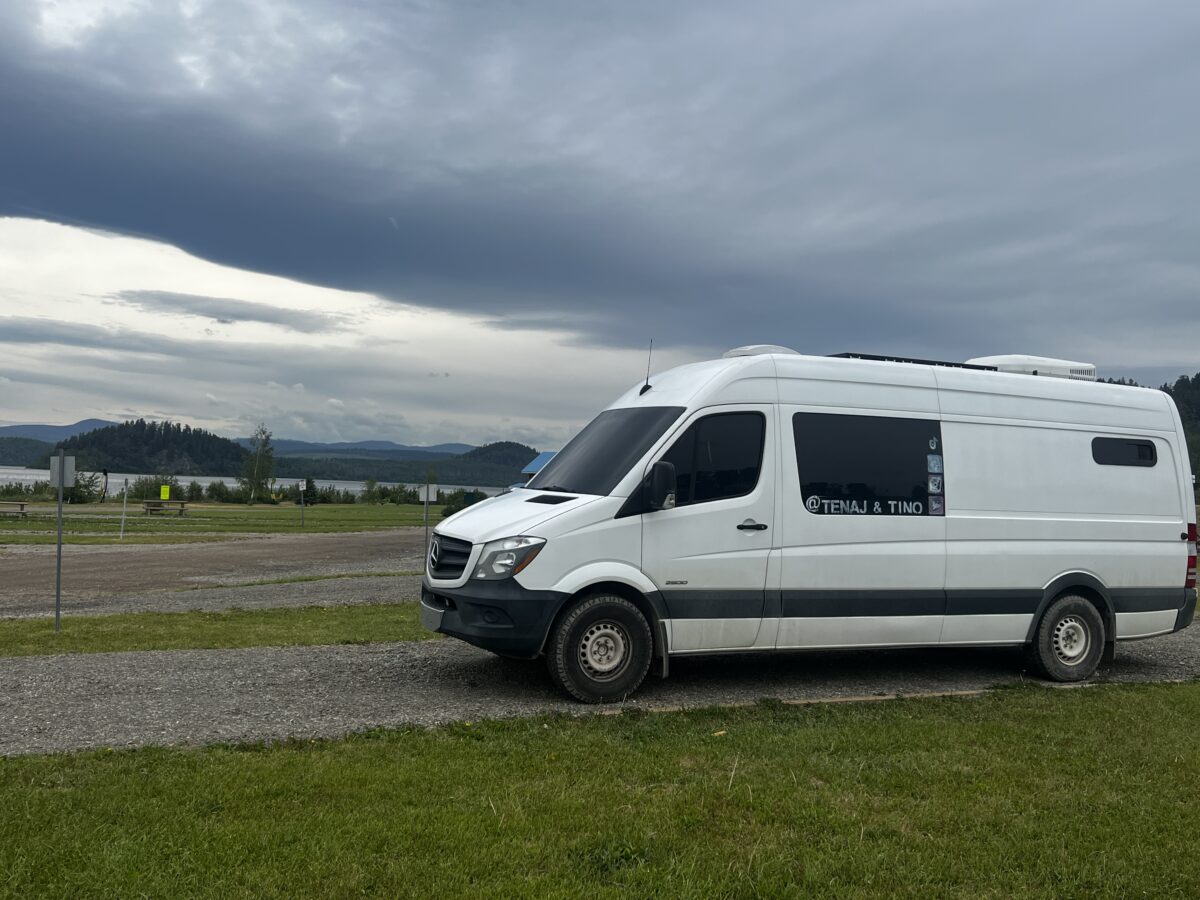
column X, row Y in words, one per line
column 52, row 434
column 373, row 449
column 175, row 449
column 361, row 449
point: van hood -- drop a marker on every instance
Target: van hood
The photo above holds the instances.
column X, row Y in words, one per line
column 511, row 514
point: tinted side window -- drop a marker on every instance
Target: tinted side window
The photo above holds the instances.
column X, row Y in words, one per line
column 1123, row 452
column 870, row 465
column 718, row 457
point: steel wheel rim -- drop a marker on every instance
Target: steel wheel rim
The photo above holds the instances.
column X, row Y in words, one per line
column 604, row 650
column 1071, row 640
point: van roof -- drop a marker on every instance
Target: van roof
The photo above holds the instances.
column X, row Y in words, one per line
column 886, row 384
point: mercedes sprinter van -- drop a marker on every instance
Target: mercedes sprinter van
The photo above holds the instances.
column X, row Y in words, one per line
column 773, row 501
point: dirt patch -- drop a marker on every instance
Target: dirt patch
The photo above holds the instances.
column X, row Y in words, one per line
column 94, row 572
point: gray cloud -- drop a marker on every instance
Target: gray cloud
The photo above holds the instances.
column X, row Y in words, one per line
column 360, row 391
column 228, row 312
column 939, row 179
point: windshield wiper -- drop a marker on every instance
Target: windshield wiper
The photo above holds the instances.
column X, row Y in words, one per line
column 556, row 488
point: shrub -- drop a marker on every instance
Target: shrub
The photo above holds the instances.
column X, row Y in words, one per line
column 146, row 487
column 457, row 501
column 218, row 492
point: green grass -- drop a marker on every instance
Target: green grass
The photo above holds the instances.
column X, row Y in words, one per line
column 1020, row 793
column 101, row 523
column 359, row 624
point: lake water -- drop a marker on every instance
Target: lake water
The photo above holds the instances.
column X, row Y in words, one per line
column 18, row 475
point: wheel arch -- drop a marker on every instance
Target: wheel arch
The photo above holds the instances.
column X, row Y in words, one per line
column 1085, row 585
column 649, row 603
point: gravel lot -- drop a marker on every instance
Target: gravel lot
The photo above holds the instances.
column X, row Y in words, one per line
column 54, row 703
column 341, row 591
column 174, row 577
column 202, row 696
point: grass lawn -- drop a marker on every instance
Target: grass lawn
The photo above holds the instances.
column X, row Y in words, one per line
column 359, row 624
column 101, row 523
column 1022, row 792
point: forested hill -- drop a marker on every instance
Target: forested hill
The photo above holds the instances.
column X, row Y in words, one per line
column 19, row 451
column 169, row 448
column 1186, row 394
column 155, row 448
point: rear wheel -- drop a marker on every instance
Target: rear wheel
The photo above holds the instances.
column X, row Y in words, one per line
column 600, row 649
column 1069, row 640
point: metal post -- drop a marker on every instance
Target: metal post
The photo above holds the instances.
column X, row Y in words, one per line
column 58, row 565
column 301, row 505
column 124, row 502
column 426, row 518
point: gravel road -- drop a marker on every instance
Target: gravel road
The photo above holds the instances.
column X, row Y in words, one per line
column 201, row 696
column 173, row 577
column 341, row 591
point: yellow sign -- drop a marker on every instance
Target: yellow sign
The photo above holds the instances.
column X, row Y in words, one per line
column 164, row 492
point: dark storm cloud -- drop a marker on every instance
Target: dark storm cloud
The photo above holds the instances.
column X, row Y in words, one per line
column 227, row 312
column 937, row 179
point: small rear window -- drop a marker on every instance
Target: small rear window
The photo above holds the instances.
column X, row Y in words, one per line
column 1123, row 452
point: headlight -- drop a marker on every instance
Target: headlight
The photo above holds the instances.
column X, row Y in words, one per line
column 506, row 557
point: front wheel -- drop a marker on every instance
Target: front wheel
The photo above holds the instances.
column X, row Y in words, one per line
column 1069, row 640
column 600, row 649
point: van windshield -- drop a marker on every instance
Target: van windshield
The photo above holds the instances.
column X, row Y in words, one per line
column 598, row 457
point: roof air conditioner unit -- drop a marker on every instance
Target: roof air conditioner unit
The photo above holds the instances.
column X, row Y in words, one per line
column 1038, row 365
column 757, row 350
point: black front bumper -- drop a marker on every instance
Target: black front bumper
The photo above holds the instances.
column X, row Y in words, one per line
column 500, row 616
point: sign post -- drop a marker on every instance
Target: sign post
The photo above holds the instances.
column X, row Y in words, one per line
column 302, row 504
column 427, row 492
column 62, row 474
column 124, row 503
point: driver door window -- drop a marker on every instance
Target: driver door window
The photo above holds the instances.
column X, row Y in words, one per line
column 718, row 457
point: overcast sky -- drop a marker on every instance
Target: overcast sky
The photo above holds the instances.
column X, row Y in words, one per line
column 436, row 221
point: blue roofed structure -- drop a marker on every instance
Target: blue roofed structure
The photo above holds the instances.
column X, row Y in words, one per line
column 535, row 465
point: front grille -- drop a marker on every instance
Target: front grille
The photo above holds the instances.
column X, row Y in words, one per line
column 448, row 556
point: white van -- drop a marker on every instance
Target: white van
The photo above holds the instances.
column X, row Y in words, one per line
column 773, row 501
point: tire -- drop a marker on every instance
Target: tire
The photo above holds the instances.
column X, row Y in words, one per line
column 1069, row 641
column 600, row 649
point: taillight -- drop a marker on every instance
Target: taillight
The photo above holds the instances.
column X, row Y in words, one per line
column 1190, row 578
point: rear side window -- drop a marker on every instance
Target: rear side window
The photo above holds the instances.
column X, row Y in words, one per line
column 870, row 465
column 1124, row 452
column 718, row 457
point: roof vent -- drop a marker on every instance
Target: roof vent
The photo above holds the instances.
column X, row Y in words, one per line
column 1039, row 365
column 758, row 350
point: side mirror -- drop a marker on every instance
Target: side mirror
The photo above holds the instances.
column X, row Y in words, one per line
column 661, row 486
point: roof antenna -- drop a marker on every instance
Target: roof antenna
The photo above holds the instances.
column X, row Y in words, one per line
column 646, row 386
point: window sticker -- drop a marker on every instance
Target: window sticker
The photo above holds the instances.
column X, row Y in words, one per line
column 853, row 465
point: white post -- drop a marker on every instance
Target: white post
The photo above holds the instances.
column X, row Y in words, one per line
column 124, row 502
column 62, row 469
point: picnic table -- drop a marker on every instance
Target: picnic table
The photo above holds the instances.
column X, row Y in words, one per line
column 13, row 508
column 152, row 507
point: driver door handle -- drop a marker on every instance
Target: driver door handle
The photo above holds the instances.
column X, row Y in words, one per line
column 751, row 525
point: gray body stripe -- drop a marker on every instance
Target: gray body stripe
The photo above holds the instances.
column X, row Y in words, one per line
column 830, row 604
column 790, row 604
